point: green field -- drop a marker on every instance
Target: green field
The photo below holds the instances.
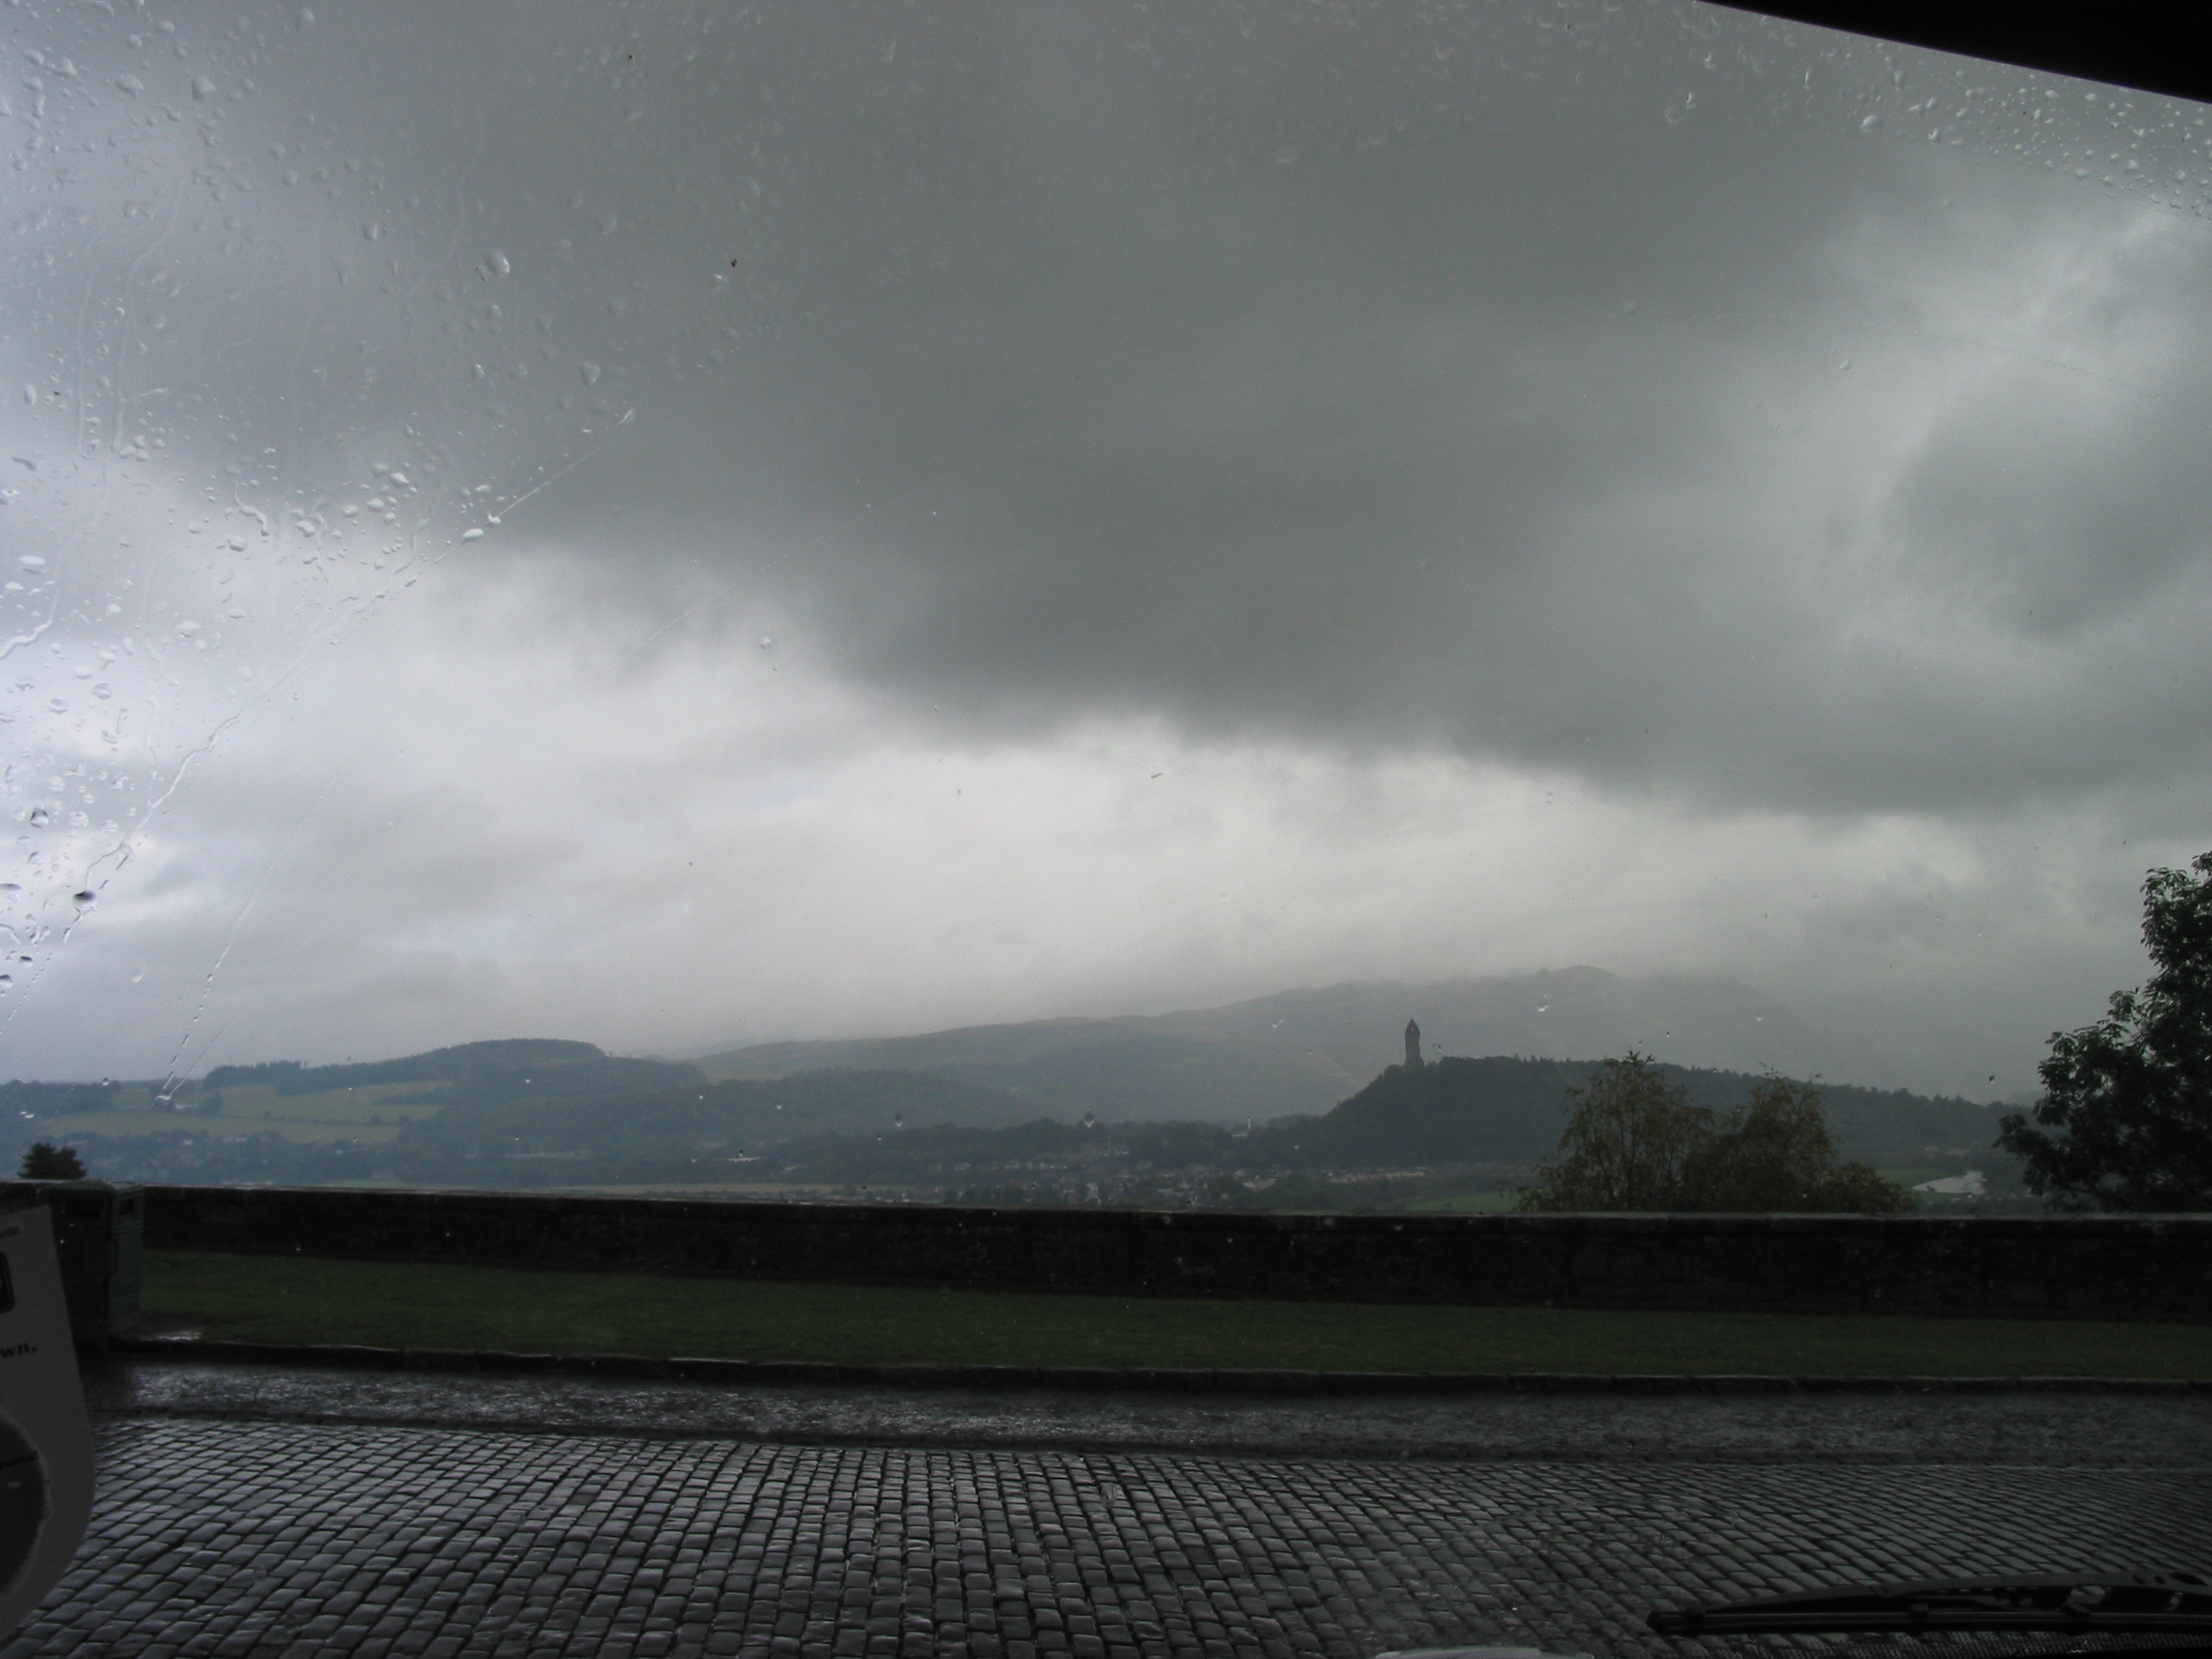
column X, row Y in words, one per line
column 228, row 1125
column 370, row 1103
column 287, row 1299
column 370, row 1115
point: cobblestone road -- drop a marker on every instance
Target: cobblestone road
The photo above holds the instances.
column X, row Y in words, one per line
column 239, row 1538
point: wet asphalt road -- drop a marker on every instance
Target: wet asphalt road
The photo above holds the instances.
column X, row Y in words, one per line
column 258, row 1511
column 2053, row 1430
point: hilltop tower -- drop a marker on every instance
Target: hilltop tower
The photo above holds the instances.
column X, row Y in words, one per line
column 1412, row 1046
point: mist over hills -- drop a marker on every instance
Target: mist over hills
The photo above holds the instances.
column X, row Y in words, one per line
column 1303, row 1050
column 1304, row 1081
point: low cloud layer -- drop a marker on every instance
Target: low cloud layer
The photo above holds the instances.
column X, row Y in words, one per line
column 530, row 518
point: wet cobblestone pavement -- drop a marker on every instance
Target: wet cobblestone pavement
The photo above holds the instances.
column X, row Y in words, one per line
column 235, row 1538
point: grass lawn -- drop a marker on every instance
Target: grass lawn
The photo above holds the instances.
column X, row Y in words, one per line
column 288, row 1300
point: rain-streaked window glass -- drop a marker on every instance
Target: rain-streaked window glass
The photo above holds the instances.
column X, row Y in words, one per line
column 687, row 527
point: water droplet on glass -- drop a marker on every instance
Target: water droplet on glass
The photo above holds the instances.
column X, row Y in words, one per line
column 85, row 898
column 590, row 372
column 472, row 535
column 32, row 561
column 1868, row 123
column 130, row 84
column 500, row 264
column 203, row 87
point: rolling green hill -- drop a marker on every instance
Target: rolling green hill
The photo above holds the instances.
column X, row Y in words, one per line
column 518, row 1056
column 731, row 1119
column 1506, row 1110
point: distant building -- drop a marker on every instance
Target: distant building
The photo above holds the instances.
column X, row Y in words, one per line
column 1413, row 1047
column 1972, row 1185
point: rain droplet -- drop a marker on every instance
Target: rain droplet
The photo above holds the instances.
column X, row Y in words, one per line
column 85, row 898
column 590, row 372
column 500, row 265
column 130, row 84
column 472, row 535
column 203, row 87
column 32, row 561
column 1868, row 123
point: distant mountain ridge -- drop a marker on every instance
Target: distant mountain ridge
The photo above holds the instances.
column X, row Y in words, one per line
column 1302, row 1080
column 1303, row 1050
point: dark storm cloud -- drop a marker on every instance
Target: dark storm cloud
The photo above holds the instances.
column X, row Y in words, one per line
column 1355, row 377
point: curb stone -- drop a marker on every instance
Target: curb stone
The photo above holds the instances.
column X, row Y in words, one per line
column 744, row 1372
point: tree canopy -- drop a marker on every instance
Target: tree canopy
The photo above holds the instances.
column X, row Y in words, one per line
column 46, row 1161
column 1636, row 1143
column 2127, row 1109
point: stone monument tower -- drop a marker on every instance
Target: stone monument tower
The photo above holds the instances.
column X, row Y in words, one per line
column 1413, row 1047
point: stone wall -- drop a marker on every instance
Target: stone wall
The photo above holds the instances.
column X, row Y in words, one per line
column 2093, row 1267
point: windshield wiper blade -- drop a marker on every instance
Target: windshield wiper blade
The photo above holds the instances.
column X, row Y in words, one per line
column 2134, row 1602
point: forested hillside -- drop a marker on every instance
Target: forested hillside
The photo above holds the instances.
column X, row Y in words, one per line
column 537, row 1113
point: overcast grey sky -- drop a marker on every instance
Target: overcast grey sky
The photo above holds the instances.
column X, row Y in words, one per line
column 683, row 524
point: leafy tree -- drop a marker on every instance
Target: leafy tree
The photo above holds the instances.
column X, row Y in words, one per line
column 46, row 1161
column 1628, row 1146
column 1774, row 1154
column 2126, row 1107
column 1636, row 1143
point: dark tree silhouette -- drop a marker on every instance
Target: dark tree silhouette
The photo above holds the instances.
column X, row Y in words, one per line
column 2126, row 1108
column 1636, row 1143
column 46, row 1161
